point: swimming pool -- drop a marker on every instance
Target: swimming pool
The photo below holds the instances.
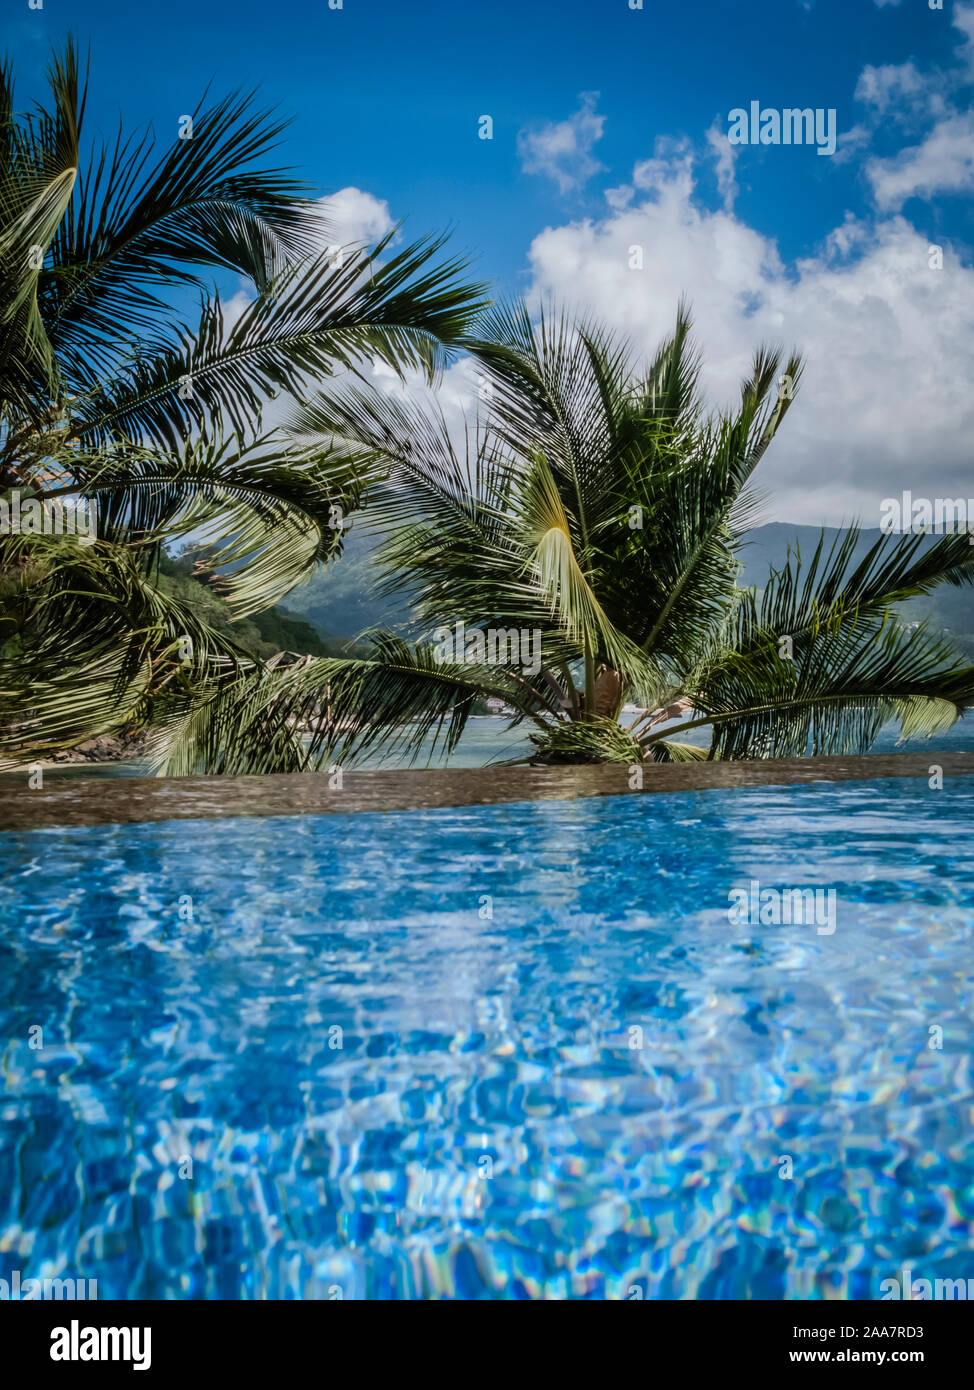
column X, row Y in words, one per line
column 514, row 1051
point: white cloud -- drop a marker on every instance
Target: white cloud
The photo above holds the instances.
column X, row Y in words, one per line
column 672, row 161
column 562, row 150
column 352, row 215
column 963, row 19
column 942, row 163
column 900, row 89
column 348, row 217
column 233, row 308
column 852, row 142
column 620, row 197
column 883, row 404
column 725, row 155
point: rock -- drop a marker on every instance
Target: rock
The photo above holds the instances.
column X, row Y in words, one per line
column 107, row 748
column 104, row 749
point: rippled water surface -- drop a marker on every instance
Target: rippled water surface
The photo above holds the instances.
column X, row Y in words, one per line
column 502, row 1052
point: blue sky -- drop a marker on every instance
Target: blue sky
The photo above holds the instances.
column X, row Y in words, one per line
column 386, row 94
column 600, row 141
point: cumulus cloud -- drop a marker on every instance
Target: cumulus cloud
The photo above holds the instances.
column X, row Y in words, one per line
column 899, row 90
column 236, row 304
column 963, row 19
column 348, row 217
column 352, row 215
column 942, row 163
column 672, row 162
column 883, row 405
column 562, row 150
column 852, row 142
column 725, row 155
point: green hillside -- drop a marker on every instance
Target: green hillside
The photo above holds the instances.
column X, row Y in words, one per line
column 263, row 635
column 341, row 598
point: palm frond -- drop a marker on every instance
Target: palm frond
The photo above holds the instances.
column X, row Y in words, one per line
column 275, row 505
column 328, row 710
column 140, row 222
column 845, row 681
column 317, row 316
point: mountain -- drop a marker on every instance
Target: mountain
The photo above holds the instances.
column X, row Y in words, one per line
column 341, row 598
column 263, row 635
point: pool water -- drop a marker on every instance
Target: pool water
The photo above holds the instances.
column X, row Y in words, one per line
column 511, row 1052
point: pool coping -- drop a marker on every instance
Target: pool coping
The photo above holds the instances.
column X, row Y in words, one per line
column 130, row 800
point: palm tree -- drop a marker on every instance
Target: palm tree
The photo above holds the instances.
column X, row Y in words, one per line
column 599, row 509
column 106, row 401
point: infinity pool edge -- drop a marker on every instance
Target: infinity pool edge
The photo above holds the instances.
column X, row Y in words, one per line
column 106, row 801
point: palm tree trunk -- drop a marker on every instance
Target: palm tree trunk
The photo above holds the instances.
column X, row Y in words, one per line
column 589, row 704
column 608, row 693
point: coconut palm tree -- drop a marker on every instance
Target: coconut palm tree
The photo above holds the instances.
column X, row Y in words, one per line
column 108, row 402
column 598, row 509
